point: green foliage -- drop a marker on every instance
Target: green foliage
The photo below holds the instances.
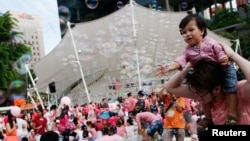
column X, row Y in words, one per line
column 9, row 51
column 224, row 18
column 7, row 23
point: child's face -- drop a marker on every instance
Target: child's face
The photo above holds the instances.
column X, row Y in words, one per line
column 192, row 34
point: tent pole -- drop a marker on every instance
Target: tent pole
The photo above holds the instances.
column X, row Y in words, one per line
column 34, row 85
column 31, row 98
column 134, row 36
column 78, row 62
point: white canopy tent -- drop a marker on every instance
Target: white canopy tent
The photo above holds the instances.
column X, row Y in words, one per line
column 107, row 48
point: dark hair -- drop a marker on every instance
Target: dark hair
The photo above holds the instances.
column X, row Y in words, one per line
column 10, row 120
column 105, row 130
column 129, row 94
column 64, row 111
column 201, row 24
column 112, row 130
column 40, row 109
column 49, row 136
column 53, row 107
column 205, row 75
column 130, row 121
column 85, row 132
column 24, row 139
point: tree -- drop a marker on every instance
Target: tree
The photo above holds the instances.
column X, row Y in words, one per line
column 10, row 50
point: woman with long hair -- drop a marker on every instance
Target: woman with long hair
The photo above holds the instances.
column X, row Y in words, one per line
column 11, row 128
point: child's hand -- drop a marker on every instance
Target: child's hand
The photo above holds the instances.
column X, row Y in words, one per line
column 161, row 70
column 224, row 60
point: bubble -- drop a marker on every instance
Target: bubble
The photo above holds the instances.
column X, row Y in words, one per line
column 16, row 36
column 119, row 4
column 2, row 96
column 64, row 13
column 17, row 87
column 19, row 65
column 92, row 4
column 184, row 5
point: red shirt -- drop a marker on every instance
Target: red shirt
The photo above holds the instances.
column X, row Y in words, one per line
column 40, row 121
column 99, row 126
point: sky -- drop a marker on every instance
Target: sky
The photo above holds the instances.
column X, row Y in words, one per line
column 47, row 10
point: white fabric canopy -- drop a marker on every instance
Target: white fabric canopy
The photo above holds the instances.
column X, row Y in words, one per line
column 107, row 50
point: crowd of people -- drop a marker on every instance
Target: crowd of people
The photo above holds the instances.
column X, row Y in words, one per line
column 138, row 117
column 203, row 92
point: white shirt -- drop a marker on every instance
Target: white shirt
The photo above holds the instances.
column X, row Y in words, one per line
column 117, row 137
column 22, row 130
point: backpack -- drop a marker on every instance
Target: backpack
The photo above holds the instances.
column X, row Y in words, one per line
column 140, row 105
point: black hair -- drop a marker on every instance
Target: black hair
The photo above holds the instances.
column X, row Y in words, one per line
column 201, row 24
column 105, row 130
column 40, row 108
column 24, row 139
column 129, row 94
column 53, row 107
column 10, row 120
column 85, row 132
column 64, row 111
column 205, row 75
column 49, row 136
column 112, row 130
column 130, row 121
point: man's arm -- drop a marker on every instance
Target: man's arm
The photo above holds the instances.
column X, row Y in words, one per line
column 174, row 84
column 243, row 64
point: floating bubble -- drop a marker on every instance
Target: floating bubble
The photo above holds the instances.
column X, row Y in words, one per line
column 119, row 4
column 17, row 87
column 16, row 36
column 19, row 65
column 92, row 4
column 2, row 96
column 64, row 13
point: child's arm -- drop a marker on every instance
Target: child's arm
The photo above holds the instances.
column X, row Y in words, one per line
column 222, row 56
column 161, row 70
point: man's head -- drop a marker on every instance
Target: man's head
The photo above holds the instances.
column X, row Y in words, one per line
column 141, row 93
column 129, row 94
column 205, row 78
column 49, row 136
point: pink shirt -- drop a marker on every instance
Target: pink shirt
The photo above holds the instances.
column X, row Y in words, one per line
column 130, row 101
column 121, row 130
column 219, row 108
column 187, row 105
column 93, row 132
column 146, row 117
column 209, row 49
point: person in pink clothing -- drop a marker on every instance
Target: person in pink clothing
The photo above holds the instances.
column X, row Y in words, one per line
column 204, row 82
column 153, row 121
column 120, row 127
column 92, row 130
column 200, row 46
column 131, row 102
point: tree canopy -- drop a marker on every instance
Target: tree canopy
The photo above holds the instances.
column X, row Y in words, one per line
column 10, row 51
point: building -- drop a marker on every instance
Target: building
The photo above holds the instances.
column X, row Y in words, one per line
column 31, row 27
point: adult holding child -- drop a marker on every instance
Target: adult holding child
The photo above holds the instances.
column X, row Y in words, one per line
column 204, row 82
column 202, row 47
